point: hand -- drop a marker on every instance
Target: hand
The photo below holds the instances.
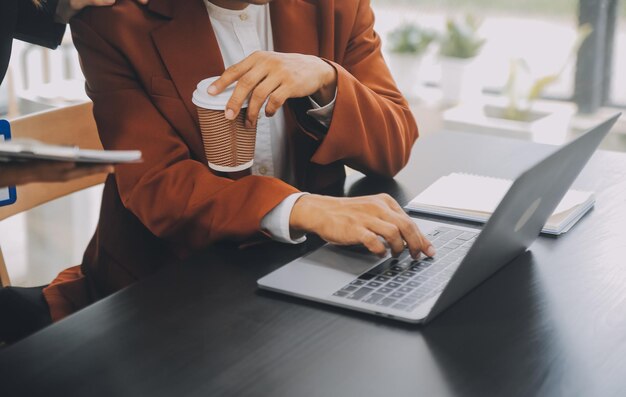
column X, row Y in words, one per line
column 360, row 220
column 275, row 77
column 66, row 9
column 47, row 171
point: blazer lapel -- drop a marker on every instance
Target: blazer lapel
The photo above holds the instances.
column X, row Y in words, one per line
column 294, row 26
column 187, row 46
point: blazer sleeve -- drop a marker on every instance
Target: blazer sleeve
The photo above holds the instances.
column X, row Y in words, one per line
column 36, row 25
column 372, row 129
column 175, row 196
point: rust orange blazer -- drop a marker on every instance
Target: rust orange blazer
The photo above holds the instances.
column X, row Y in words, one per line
column 142, row 65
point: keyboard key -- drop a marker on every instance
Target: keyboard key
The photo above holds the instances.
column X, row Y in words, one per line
column 373, row 298
column 382, row 279
column 378, row 269
column 357, row 295
column 443, row 253
column 366, row 276
column 400, row 306
column 400, row 279
column 397, row 268
column 405, row 290
column 393, row 285
column 454, row 233
column 408, row 301
column 467, row 236
column 358, row 282
column 386, row 302
column 384, row 290
column 440, row 278
column 416, row 268
column 413, row 284
column 374, row 284
column 408, row 274
column 397, row 295
column 349, row 288
column 341, row 293
column 390, row 273
column 438, row 243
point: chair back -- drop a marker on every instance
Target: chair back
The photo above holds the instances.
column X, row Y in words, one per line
column 72, row 125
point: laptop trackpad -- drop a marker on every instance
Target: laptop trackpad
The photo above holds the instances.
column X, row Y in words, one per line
column 353, row 260
column 322, row 272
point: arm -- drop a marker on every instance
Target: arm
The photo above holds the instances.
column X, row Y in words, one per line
column 36, row 24
column 44, row 25
column 176, row 197
column 23, row 173
column 372, row 129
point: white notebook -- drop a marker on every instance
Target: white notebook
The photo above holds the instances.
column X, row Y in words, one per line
column 474, row 198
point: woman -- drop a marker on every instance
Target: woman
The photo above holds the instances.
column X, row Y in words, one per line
column 23, row 310
column 40, row 22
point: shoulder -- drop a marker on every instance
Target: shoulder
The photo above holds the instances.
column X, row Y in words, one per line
column 123, row 18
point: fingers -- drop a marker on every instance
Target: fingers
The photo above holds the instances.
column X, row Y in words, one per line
column 47, row 171
column 242, row 91
column 370, row 221
column 231, row 75
column 83, row 171
column 276, row 101
column 80, row 4
column 371, row 241
column 97, row 3
column 390, row 232
column 258, row 98
column 415, row 240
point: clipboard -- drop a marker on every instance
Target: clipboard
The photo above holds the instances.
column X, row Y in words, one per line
column 8, row 195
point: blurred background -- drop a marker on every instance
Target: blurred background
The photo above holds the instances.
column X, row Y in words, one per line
column 542, row 71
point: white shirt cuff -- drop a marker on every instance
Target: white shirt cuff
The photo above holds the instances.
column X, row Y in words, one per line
column 276, row 222
column 323, row 114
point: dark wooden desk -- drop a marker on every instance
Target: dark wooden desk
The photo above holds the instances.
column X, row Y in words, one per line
column 551, row 323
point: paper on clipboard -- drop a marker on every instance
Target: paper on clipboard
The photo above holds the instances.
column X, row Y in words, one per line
column 28, row 149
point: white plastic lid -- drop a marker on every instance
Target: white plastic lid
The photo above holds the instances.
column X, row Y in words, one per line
column 203, row 99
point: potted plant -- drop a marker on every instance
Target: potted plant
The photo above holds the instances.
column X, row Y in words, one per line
column 459, row 47
column 520, row 113
column 523, row 90
column 406, row 46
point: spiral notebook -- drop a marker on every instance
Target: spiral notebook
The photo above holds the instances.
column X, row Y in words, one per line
column 474, row 198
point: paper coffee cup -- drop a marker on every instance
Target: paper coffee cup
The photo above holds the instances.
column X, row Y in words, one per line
column 229, row 146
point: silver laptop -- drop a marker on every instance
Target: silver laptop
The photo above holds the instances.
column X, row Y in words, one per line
column 417, row 290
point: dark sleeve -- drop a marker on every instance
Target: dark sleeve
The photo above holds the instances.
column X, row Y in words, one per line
column 36, row 25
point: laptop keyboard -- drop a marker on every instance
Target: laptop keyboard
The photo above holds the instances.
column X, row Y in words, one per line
column 403, row 283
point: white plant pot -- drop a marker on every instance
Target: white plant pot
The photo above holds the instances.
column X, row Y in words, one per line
column 460, row 80
column 547, row 122
column 405, row 69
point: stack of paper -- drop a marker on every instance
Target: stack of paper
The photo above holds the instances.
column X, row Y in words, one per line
column 475, row 198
